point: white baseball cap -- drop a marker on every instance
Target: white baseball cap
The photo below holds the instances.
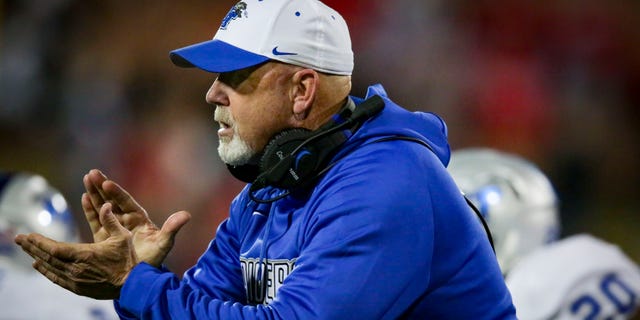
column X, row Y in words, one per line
column 305, row 33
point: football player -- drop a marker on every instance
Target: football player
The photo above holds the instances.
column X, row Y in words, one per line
column 578, row 277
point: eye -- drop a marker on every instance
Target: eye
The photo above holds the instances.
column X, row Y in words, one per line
column 235, row 78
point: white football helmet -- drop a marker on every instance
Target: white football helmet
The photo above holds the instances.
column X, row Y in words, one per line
column 514, row 196
column 29, row 204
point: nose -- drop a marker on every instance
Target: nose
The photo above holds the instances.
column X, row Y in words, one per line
column 216, row 94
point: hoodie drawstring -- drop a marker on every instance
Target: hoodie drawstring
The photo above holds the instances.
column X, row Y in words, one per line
column 261, row 276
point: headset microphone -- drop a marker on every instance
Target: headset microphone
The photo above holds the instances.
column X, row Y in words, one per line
column 367, row 109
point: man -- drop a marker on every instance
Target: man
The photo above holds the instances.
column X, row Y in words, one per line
column 28, row 203
column 578, row 277
column 336, row 221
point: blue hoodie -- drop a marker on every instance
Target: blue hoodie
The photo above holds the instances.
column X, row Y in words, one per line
column 384, row 234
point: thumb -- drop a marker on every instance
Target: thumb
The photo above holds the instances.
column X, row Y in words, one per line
column 174, row 223
column 109, row 220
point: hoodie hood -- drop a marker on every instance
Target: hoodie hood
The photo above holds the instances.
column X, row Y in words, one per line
column 394, row 120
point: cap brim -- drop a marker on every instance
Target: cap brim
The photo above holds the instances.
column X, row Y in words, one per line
column 215, row 56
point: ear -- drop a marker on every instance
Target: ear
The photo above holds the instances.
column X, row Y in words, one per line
column 303, row 93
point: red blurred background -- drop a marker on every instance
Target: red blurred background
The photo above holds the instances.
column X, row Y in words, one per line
column 88, row 84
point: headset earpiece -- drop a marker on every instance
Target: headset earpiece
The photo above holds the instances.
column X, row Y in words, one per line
column 280, row 166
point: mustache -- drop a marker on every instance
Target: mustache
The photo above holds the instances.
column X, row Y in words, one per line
column 223, row 116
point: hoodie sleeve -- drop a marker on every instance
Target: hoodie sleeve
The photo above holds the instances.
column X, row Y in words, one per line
column 212, row 289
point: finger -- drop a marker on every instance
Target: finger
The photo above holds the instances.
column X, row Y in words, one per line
column 20, row 238
column 95, row 183
column 173, row 224
column 31, row 248
column 51, row 251
column 48, row 264
column 98, row 179
column 54, row 275
column 90, row 213
column 120, row 197
column 78, row 279
column 91, row 181
column 109, row 220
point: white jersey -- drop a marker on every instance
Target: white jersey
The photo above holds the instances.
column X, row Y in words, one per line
column 579, row 277
column 29, row 295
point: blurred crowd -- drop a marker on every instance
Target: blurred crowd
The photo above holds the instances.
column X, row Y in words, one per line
column 88, row 84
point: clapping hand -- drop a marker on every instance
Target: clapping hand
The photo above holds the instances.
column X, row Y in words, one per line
column 123, row 236
column 151, row 244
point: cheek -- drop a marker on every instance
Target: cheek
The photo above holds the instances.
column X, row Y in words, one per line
column 255, row 126
column 261, row 118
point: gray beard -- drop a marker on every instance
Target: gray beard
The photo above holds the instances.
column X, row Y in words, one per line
column 235, row 152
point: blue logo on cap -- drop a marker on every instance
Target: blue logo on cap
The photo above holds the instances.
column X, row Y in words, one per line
column 281, row 53
column 237, row 11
